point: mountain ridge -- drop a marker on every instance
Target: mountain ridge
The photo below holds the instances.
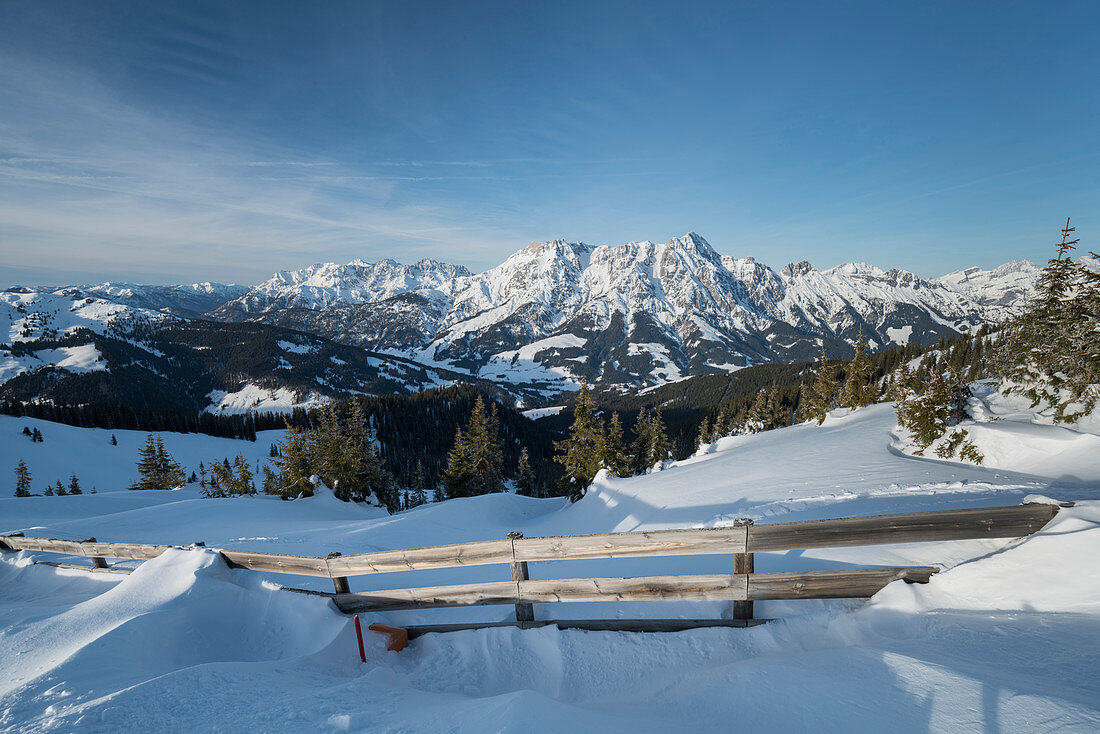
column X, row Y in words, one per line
column 638, row 313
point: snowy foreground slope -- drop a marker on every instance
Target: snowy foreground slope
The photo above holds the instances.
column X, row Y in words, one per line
column 1007, row 638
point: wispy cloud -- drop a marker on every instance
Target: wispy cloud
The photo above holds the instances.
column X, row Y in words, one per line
column 89, row 180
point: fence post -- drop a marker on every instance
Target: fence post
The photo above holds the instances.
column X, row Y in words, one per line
column 340, row 583
column 97, row 561
column 524, row 612
column 743, row 563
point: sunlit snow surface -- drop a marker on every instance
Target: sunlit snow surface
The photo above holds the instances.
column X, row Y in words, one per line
column 1006, row 639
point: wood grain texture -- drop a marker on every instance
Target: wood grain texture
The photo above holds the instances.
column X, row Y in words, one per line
column 855, row 584
column 916, row 527
column 277, row 563
column 688, row 542
column 413, row 559
column 430, row 597
column 714, row 587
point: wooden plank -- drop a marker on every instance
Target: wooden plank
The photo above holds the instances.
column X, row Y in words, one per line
column 683, row 542
column 525, row 612
column 610, row 625
column 90, row 569
column 430, row 597
column 49, row 545
column 414, row 559
column 859, row 583
column 703, row 587
column 277, row 563
column 642, row 588
column 136, row 551
column 916, row 527
column 743, row 563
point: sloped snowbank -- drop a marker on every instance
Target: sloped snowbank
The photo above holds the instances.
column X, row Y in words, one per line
column 186, row 643
column 1006, row 638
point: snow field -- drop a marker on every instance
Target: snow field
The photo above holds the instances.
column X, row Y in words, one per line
column 1006, row 638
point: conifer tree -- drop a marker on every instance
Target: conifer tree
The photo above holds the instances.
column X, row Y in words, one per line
column 36, row 436
column 271, row 483
column 418, row 491
column 294, row 463
column 74, row 485
column 526, row 484
column 579, row 454
column 858, row 392
column 661, row 446
column 59, row 489
column 374, row 479
column 458, row 474
column 114, row 441
column 171, row 473
column 817, row 396
column 639, row 448
column 242, row 477
column 484, row 455
column 156, row 467
column 49, row 491
column 148, row 466
column 704, row 437
column 1051, row 353
column 22, row 480
column 613, row 455
column 757, row 415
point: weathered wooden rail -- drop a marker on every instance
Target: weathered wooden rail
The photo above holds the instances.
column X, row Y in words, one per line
column 742, row 587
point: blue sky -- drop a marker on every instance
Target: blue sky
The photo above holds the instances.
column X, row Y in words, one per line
column 169, row 142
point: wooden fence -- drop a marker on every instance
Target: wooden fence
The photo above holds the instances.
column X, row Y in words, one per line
column 742, row 587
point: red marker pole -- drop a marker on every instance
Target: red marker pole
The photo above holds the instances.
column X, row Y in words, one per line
column 359, row 636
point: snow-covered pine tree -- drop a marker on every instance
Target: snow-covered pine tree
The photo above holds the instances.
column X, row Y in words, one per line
column 579, row 453
column 22, row 480
column 59, row 489
column 74, row 485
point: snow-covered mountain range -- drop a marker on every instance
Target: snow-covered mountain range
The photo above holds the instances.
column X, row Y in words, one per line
column 636, row 314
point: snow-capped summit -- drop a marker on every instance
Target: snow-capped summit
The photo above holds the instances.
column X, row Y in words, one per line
column 326, row 285
column 1001, row 290
column 636, row 313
